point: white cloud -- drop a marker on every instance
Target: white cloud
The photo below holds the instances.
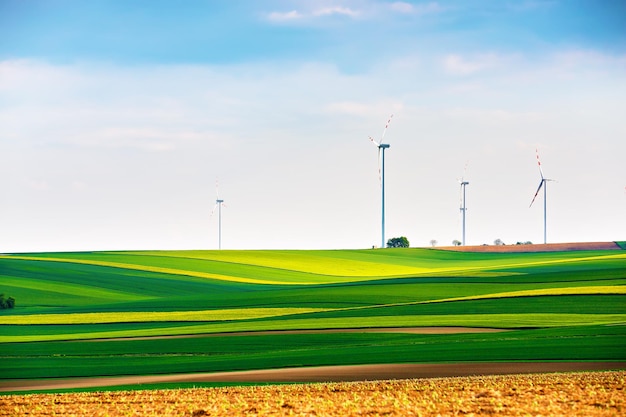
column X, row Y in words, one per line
column 402, row 7
column 366, row 109
column 286, row 140
column 327, row 11
column 284, row 16
column 420, row 9
column 350, row 107
column 455, row 64
column 318, row 13
column 37, row 184
column 573, row 58
column 142, row 138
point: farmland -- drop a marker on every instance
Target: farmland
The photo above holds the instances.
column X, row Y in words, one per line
column 191, row 314
column 570, row 394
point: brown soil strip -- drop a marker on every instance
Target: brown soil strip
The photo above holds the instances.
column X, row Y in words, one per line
column 549, row 247
column 321, row 374
column 411, row 330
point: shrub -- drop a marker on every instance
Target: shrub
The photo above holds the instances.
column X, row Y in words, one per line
column 6, row 302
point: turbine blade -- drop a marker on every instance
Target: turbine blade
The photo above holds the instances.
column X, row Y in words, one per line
column 539, row 163
column 385, row 130
column 374, row 142
column 540, row 185
column 214, row 207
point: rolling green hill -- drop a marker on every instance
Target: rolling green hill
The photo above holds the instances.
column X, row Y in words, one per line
column 72, row 308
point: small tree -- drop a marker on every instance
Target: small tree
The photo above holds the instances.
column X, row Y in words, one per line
column 498, row 242
column 456, row 242
column 433, row 243
column 398, row 242
column 6, row 302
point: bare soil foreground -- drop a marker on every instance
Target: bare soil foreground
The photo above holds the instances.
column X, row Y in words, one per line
column 569, row 394
column 547, row 247
column 340, row 373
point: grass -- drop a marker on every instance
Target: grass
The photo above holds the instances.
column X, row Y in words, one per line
column 556, row 306
column 228, row 353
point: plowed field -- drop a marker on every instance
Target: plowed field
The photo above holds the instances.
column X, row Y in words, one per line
column 568, row 394
column 543, row 247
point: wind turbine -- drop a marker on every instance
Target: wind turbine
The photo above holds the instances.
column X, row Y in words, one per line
column 463, row 208
column 381, row 173
column 218, row 206
column 542, row 183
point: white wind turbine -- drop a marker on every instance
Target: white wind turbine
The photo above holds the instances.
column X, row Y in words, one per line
column 463, row 184
column 218, row 205
column 542, row 183
column 381, row 173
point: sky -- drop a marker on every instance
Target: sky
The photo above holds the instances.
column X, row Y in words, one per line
column 119, row 118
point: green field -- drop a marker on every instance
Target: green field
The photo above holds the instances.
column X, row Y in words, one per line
column 80, row 314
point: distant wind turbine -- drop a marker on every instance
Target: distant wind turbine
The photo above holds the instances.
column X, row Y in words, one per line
column 463, row 208
column 542, row 183
column 218, row 206
column 381, row 173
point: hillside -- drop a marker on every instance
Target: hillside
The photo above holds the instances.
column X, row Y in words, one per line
column 154, row 313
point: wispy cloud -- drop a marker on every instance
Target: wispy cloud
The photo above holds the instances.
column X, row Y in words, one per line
column 367, row 10
column 422, row 8
column 455, row 64
column 284, row 16
column 587, row 58
column 327, row 11
column 365, row 109
column 313, row 13
column 149, row 139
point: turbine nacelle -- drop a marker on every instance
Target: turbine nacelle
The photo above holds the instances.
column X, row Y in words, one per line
column 379, row 145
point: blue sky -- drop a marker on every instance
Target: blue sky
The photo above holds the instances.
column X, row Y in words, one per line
column 227, row 32
column 118, row 117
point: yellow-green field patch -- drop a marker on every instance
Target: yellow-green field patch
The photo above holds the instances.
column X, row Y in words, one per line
column 149, row 268
column 161, row 316
column 598, row 290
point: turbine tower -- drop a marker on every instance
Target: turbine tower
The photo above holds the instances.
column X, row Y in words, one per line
column 463, row 208
column 381, row 173
column 218, row 206
column 542, row 183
